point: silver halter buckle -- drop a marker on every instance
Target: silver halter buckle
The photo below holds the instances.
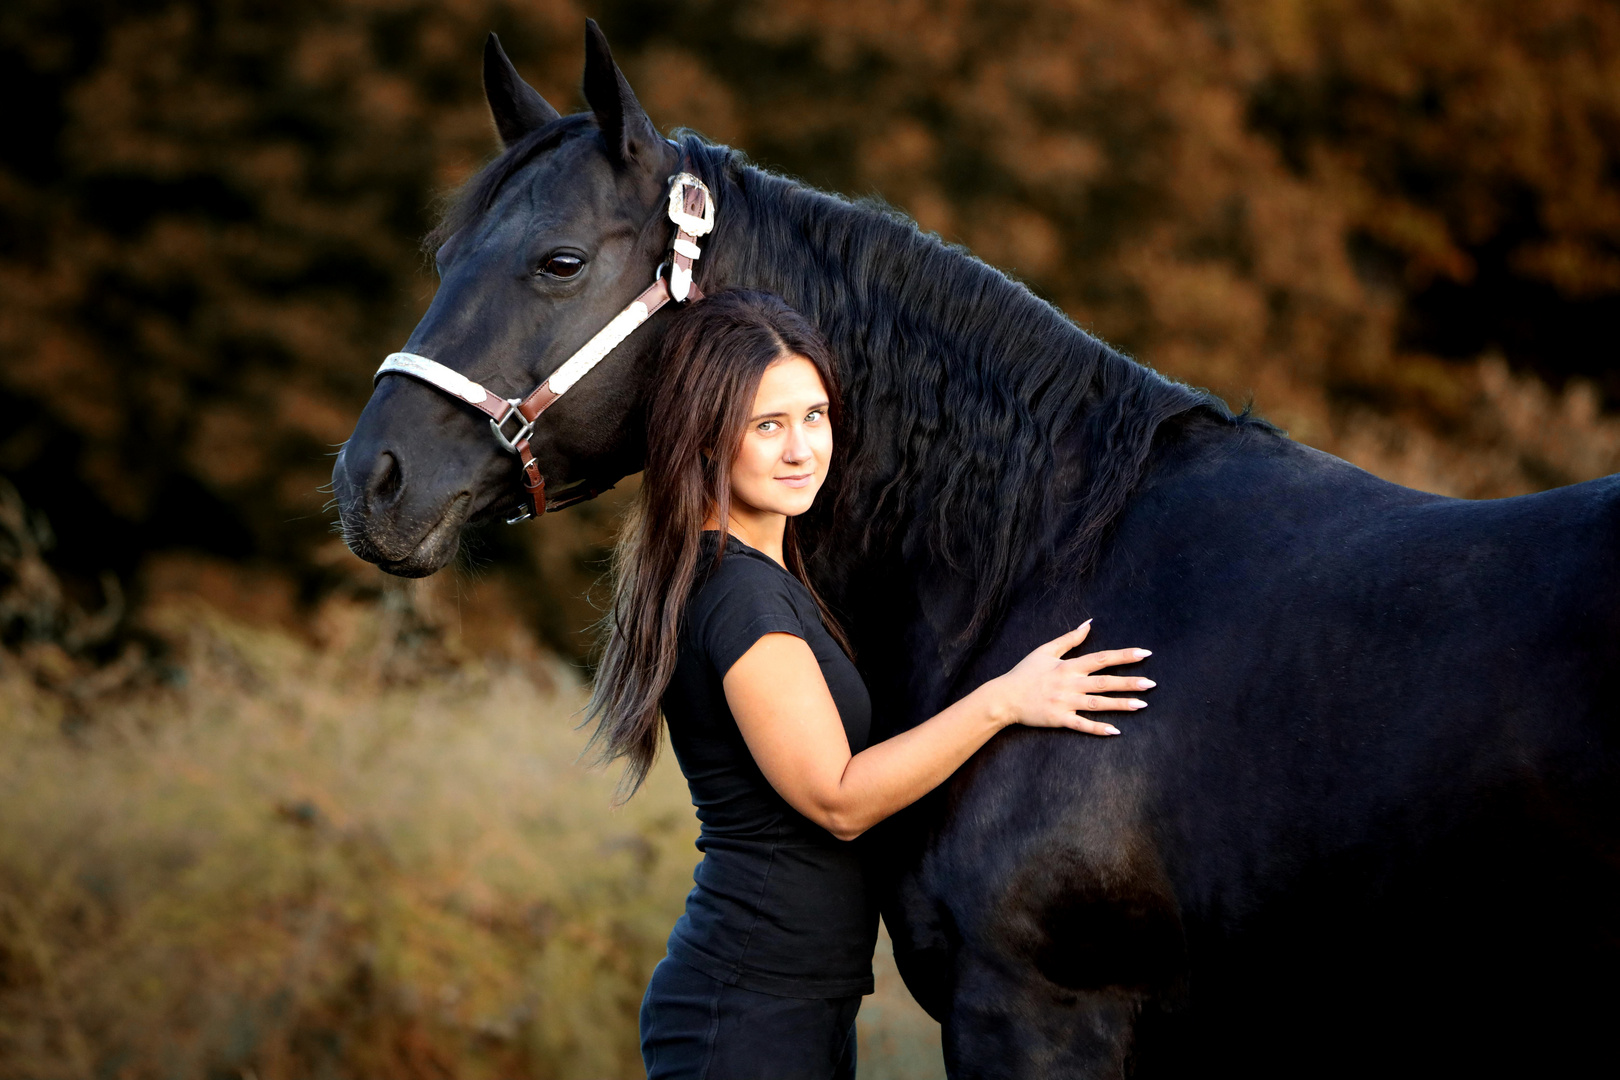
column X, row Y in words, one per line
column 697, row 226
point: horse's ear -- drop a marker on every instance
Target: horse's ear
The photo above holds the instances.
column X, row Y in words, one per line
column 516, row 106
column 629, row 135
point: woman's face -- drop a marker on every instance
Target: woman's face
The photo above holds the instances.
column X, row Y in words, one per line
column 786, row 443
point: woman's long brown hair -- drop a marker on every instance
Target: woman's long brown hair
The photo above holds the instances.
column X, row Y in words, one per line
column 712, row 360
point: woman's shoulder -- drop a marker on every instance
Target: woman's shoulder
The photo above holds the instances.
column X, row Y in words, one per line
column 744, row 589
column 739, row 601
column 740, row 572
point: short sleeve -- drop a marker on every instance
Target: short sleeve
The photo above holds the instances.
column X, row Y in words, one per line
column 743, row 601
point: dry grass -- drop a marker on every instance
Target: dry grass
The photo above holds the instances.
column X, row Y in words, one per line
column 363, row 855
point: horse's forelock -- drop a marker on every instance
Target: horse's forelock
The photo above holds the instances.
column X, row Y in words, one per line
column 470, row 201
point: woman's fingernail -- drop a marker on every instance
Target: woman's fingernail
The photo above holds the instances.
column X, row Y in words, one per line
column 1142, row 652
column 1083, row 625
column 1136, row 704
column 1112, row 730
column 1146, row 684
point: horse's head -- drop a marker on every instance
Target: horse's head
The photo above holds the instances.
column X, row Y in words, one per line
column 546, row 246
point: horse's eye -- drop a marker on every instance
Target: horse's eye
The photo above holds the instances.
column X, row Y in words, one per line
column 563, row 266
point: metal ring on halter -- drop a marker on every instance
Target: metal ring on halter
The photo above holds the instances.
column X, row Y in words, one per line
column 522, row 433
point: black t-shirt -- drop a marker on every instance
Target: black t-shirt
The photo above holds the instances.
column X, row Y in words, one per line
column 780, row 905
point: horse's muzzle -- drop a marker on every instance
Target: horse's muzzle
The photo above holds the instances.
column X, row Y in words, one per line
column 381, row 525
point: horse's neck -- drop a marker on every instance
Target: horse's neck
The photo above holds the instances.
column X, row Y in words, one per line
column 846, row 265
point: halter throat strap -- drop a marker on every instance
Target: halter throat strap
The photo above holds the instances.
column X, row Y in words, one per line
column 691, row 208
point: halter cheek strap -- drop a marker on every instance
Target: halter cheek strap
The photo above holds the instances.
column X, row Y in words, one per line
column 691, row 208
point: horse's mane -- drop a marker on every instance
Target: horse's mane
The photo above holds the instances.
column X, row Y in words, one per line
column 984, row 424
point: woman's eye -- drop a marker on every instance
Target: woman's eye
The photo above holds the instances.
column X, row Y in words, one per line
column 812, row 416
column 563, row 266
column 767, row 427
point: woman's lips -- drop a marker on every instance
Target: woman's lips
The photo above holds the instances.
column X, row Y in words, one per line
column 799, row 481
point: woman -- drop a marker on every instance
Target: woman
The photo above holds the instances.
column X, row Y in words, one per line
column 716, row 627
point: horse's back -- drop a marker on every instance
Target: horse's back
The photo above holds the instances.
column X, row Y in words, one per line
column 1372, row 796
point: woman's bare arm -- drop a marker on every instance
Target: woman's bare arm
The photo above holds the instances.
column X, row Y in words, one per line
column 787, row 717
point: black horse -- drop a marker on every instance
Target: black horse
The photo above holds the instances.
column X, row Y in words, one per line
column 1370, row 821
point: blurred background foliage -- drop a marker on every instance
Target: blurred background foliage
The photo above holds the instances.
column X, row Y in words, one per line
column 1392, row 224
column 361, row 848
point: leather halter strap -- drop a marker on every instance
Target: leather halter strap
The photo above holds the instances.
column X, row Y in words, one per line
column 691, row 208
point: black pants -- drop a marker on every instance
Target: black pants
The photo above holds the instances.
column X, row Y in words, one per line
column 694, row 1027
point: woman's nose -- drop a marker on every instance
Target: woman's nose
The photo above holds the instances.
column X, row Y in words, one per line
column 798, row 445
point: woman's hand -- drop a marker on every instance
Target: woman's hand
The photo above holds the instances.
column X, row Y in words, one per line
column 1045, row 690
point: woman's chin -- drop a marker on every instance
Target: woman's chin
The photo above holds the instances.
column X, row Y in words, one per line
column 795, row 507
column 789, row 502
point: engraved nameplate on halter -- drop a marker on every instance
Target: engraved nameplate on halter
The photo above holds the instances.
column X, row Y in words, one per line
column 593, row 351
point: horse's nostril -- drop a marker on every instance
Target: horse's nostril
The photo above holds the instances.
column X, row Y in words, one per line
column 386, row 478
